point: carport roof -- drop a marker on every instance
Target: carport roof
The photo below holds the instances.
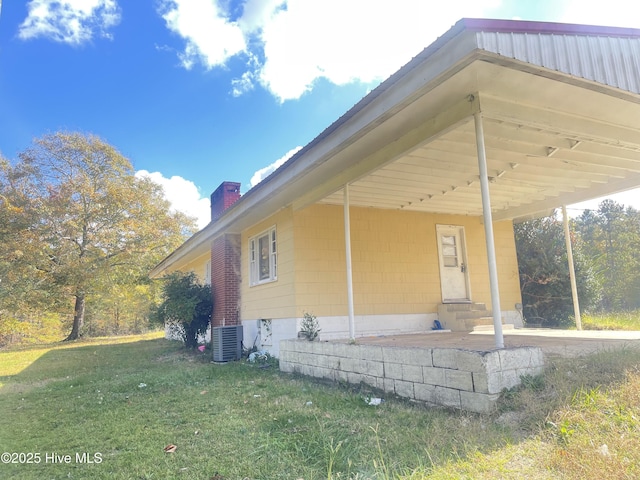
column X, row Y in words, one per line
column 560, row 105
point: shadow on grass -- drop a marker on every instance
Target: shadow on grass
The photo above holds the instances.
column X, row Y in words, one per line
column 128, row 401
column 58, row 360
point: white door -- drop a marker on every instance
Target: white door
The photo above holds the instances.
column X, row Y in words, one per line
column 454, row 278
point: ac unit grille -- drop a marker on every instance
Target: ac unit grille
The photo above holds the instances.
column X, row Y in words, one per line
column 227, row 343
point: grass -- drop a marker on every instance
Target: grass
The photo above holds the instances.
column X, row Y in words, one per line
column 582, row 422
column 126, row 399
column 612, row 321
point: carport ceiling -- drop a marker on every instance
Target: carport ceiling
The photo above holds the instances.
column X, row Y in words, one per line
column 549, row 142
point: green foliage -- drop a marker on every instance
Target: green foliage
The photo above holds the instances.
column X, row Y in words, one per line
column 77, row 227
column 609, row 321
column 37, row 328
column 606, row 248
column 533, row 382
column 544, row 273
column 309, row 328
column 562, row 431
column 121, row 309
column 187, row 305
column 611, row 241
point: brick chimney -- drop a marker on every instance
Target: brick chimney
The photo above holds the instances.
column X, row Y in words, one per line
column 225, row 261
column 225, row 280
column 223, row 197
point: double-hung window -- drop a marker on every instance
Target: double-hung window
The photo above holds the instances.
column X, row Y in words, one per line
column 263, row 257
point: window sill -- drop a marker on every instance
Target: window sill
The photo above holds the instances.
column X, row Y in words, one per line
column 263, row 282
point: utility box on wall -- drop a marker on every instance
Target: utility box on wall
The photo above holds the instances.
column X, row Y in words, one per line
column 226, row 343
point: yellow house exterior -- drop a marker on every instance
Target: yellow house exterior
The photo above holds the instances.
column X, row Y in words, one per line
column 402, row 211
column 200, row 267
column 396, row 272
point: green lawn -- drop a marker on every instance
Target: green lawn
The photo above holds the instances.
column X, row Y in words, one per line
column 612, row 321
column 119, row 402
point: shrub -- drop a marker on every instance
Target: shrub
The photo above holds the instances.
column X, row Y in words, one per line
column 309, row 328
column 186, row 307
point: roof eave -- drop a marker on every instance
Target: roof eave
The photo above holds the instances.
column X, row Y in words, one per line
column 268, row 193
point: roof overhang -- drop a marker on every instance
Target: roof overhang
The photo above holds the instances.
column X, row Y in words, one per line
column 561, row 111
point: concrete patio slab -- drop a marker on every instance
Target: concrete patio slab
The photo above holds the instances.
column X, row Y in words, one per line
column 453, row 369
column 567, row 343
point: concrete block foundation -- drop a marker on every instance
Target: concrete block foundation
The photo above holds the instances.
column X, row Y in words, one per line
column 452, row 377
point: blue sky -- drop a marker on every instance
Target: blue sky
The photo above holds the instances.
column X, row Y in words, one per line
column 196, row 92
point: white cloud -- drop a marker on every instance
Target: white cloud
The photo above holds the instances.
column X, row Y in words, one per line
column 183, row 195
column 211, row 37
column 349, row 41
column 622, row 13
column 246, row 82
column 243, row 84
column 69, row 21
column 257, row 13
column 268, row 170
column 340, row 41
column 300, row 41
column 629, row 198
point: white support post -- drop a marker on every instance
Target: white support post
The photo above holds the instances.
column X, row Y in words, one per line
column 347, row 241
column 488, row 231
column 572, row 271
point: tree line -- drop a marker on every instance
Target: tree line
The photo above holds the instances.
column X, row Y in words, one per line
column 606, row 250
column 78, row 234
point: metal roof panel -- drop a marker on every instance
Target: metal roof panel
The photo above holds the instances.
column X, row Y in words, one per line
column 610, row 60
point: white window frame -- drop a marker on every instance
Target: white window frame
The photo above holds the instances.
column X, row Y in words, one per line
column 207, row 273
column 269, row 263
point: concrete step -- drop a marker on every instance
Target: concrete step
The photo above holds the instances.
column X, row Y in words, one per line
column 464, row 307
column 464, row 317
column 489, row 328
column 478, row 306
column 471, row 323
column 473, row 314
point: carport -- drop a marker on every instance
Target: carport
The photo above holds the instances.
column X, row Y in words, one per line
column 503, row 120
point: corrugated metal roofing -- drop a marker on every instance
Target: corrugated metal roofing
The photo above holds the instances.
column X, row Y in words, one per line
column 610, row 60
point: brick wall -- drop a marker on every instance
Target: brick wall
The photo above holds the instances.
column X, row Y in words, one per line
column 223, row 197
column 225, row 280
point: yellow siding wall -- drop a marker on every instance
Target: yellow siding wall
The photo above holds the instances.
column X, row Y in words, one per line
column 394, row 259
column 506, row 260
column 274, row 299
column 321, row 282
column 197, row 266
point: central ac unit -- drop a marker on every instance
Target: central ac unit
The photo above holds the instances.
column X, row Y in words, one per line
column 227, row 343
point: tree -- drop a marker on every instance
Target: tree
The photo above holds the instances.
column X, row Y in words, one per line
column 544, row 272
column 76, row 221
column 611, row 238
column 187, row 305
